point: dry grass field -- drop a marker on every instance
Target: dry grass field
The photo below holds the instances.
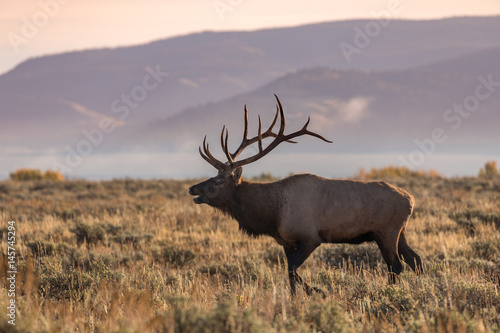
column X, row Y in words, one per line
column 139, row 256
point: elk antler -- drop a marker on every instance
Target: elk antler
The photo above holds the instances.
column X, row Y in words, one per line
column 231, row 164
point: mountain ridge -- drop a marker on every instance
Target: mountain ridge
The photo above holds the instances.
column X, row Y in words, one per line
column 38, row 97
column 401, row 95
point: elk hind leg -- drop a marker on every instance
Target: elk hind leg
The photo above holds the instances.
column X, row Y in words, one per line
column 409, row 256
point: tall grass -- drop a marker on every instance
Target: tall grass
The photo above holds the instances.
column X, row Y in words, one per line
column 139, row 256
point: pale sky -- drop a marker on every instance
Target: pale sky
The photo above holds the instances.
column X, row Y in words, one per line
column 34, row 28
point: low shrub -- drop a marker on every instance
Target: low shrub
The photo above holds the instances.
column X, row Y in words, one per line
column 175, row 256
column 35, row 174
column 391, row 172
column 489, row 170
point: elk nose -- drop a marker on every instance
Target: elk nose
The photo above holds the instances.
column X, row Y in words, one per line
column 191, row 190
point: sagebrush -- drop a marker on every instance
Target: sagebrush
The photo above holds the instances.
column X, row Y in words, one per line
column 139, row 256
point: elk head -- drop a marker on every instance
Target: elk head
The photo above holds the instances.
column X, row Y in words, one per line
column 219, row 190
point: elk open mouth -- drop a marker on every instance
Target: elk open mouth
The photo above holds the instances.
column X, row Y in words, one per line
column 197, row 200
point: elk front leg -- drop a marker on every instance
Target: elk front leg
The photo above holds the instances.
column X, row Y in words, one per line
column 388, row 247
column 295, row 258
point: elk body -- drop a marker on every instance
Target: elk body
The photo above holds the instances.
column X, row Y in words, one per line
column 303, row 211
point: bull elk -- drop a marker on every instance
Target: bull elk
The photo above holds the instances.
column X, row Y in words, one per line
column 303, row 211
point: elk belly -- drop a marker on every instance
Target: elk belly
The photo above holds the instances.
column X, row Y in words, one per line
column 329, row 236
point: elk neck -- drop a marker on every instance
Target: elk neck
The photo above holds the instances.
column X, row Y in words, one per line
column 256, row 207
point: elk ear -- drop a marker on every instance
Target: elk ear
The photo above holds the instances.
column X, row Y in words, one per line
column 237, row 174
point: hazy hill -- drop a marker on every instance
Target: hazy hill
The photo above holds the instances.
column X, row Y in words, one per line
column 375, row 111
column 46, row 102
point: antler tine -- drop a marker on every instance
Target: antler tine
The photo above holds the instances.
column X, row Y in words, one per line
column 282, row 115
column 207, row 156
column 246, row 141
column 225, row 146
column 260, row 136
column 222, row 137
column 274, row 121
column 304, row 130
column 279, row 108
column 207, row 159
column 269, row 133
column 245, row 132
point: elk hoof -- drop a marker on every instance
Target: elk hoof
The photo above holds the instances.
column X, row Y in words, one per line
column 392, row 278
column 311, row 290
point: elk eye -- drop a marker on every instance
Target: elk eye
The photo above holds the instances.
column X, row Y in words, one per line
column 220, row 181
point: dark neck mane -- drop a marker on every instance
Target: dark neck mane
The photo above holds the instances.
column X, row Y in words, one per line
column 256, row 208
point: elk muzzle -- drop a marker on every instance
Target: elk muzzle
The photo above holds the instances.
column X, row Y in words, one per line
column 194, row 190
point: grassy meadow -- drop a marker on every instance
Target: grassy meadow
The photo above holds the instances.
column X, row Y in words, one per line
column 140, row 256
